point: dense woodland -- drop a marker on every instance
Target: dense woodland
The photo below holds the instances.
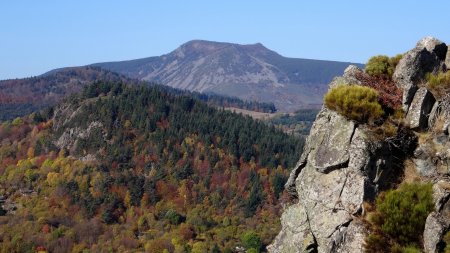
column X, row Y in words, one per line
column 222, row 100
column 159, row 173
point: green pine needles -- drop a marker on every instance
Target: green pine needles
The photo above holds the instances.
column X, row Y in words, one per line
column 355, row 102
column 382, row 65
column 399, row 219
column 439, row 84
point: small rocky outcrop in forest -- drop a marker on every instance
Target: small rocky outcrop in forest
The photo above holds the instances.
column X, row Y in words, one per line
column 342, row 165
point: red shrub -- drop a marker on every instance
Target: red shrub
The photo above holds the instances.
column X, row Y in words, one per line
column 389, row 94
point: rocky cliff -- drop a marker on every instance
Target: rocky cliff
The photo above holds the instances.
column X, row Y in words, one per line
column 343, row 166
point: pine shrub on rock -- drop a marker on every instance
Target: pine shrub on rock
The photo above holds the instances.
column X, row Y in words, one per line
column 382, row 66
column 355, row 102
column 439, row 84
column 399, row 219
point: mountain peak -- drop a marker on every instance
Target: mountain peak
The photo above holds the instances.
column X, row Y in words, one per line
column 247, row 71
column 207, row 47
column 199, row 46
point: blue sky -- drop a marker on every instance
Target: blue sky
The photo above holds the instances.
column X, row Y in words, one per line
column 37, row 36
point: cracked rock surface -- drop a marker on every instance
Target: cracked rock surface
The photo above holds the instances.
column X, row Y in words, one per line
column 331, row 182
column 342, row 166
column 331, row 186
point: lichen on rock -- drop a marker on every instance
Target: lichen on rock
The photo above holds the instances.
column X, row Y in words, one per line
column 330, row 185
column 341, row 167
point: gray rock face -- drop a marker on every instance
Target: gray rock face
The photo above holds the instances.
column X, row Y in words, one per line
column 447, row 59
column 427, row 56
column 420, row 109
column 335, row 141
column 296, row 235
column 331, row 187
column 434, row 230
column 318, row 127
column 341, row 167
column 351, row 240
column 71, row 129
column 349, row 77
column 441, row 195
column 69, row 138
column 433, row 45
column 438, row 222
column 434, row 114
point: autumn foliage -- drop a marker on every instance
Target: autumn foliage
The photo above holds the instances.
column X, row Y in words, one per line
column 193, row 183
column 389, row 95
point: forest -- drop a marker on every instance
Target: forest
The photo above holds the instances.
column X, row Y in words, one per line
column 136, row 168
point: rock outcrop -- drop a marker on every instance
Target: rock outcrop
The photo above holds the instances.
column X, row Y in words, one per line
column 419, row 109
column 335, row 174
column 428, row 56
column 438, row 222
column 72, row 128
column 330, row 186
column 447, row 59
column 342, row 166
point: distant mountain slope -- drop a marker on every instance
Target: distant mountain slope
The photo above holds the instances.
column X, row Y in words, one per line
column 250, row 72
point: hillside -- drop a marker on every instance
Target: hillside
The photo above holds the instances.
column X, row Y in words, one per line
column 19, row 97
column 250, row 72
column 120, row 168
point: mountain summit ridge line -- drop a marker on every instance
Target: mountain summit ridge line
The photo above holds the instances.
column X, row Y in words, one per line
column 250, row 72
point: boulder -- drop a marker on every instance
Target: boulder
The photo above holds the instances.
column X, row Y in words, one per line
column 419, row 110
column 425, row 167
column 434, row 230
column 434, row 114
column 441, row 196
column 423, row 155
column 427, row 56
column 447, row 59
column 438, row 222
column 434, row 46
column 349, row 77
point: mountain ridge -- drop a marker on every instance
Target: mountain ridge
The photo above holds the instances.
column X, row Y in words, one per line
column 250, row 72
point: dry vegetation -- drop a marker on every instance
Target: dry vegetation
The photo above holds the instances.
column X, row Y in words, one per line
column 355, row 102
